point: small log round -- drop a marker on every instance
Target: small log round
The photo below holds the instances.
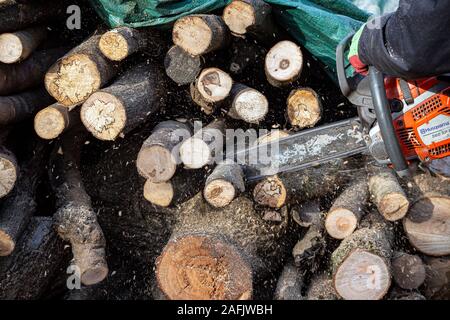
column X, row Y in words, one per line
column 270, row 192
column 121, row 42
column 224, row 184
column 247, row 104
column 19, row 45
column 304, row 109
column 201, row 33
column 347, row 210
column 408, row 271
column 284, row 63
column 160, row 194
column 9, row 171
column 51, row 122
column 214, row 85
column 181, row 67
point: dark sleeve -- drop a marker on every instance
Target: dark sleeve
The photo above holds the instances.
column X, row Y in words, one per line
column 411, row 43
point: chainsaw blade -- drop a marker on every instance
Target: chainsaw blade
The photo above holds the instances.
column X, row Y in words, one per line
column 303, row 150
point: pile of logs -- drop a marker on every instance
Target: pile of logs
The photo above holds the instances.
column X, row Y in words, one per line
column 130, row 175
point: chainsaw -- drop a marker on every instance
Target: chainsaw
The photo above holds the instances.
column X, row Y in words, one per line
column 398, row 122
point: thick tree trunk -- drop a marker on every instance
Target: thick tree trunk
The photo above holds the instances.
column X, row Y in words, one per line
column 19, row 45
column 284, row 64
column 181, row 67
column 51, row 122
column 81, row 72
column 127, row 103
column 304, row 108
column 247, row 104
column 220, row 254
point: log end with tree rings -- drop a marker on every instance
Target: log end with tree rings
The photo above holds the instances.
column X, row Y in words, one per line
column 219, row 193
column 104, row 115
column 160, row 194
column 203, row 267
column 283, row 63
column 114, row 45
column 270, row 192
column 10, row 48
column 195, row 153
column 427, row 225
column 362, row 276
column 51, row 122
column 239, row 16
column 304, row 109
column 214, row 85
column 341, row 223
column 156, row 163
column 8, row 172
column 7, row 244
column 250, row 105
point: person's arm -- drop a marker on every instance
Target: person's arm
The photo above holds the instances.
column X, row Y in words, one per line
column 411, row 43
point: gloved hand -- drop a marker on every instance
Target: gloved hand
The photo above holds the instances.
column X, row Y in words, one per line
column 353, row 55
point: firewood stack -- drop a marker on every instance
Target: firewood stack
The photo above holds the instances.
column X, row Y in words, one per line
column 118, row 150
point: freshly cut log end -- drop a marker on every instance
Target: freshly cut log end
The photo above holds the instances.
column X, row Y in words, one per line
column 408, row 271
column 304, row 109
column 91, row 261
column 156, row 163
column 239, row 16
column 8, row 172
column 51, row 122
column 7, row 244
column 19, row 45
column 362, row 276
column 270, row 192
column 120, row 43
column 341, row 223
column 104, row 116
column 427, row 225
column 284, row 63
column 214, row 85
column 181, row 67
column 248, row 104
column 195, row 153
column 200, row 34
column 160, row 194
column 201, row 267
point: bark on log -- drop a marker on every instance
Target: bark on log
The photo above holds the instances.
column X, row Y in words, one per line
column 29, row 73
column 51, row 122
column 181, row 67
column 28, row 272
column 201, row 33
column 203, row 147
column 75, row 220
column 284, row 64
column 361, row 264
column 214, row 85
column 290, row 284
column 19, row 45
column 306, row 214
column 9, row 171
column 224, row 184
column 120, row 43
column 347, row 210
column 158, row 158
column 81, row 72
column 387, row 194
column 127, row 103
column 247, row 104
column 251, row 17
column 206, row 106
column 408, row 270
column 14, row 109
column 321, row 288
column 220, row 254
column 437, row 281
column 304, row 108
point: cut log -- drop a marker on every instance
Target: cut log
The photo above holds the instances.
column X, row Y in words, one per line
column 28, row 272
column 321, row 288
column 408, row 270
column 284, row 64
column 206, row 106
column 247, row 104
column 201, row 33
column 181, row 67
column 427, row 224
column 387, row 194
column 120, row 43
column 251, row 17
column 290, row 283
column 14, row 109
column 18, row 208
column 51, row 122
column 75, row 220
column 127, row 103
column 361, row 264
column 437, row 281
column 224, row 184
column 221, row 254
column 81, row 72
column 347, row 210
column 19, row 45
column 205, row 146
column 158, row 158
column 304, row 109
column 9, row 171
column 214, row 85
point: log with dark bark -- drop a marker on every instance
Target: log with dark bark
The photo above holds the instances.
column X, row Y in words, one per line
column 290, row 284
column 247, row 104
column 120, row 43
column 437, row 281
column 321, row 288
column 29, row 271
column 284, row 64
column 75, row 220
column 221, row 254
column 201, row 33
column 181, row 67
column 158, row 158
column 19, row 45
column 14, row 109
column 81, row 72
column 304, row 108
column 51, row 122
column 399, row 294
column 408, row 270
column 29, row 73
column 116, row 110
column 361, row 264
